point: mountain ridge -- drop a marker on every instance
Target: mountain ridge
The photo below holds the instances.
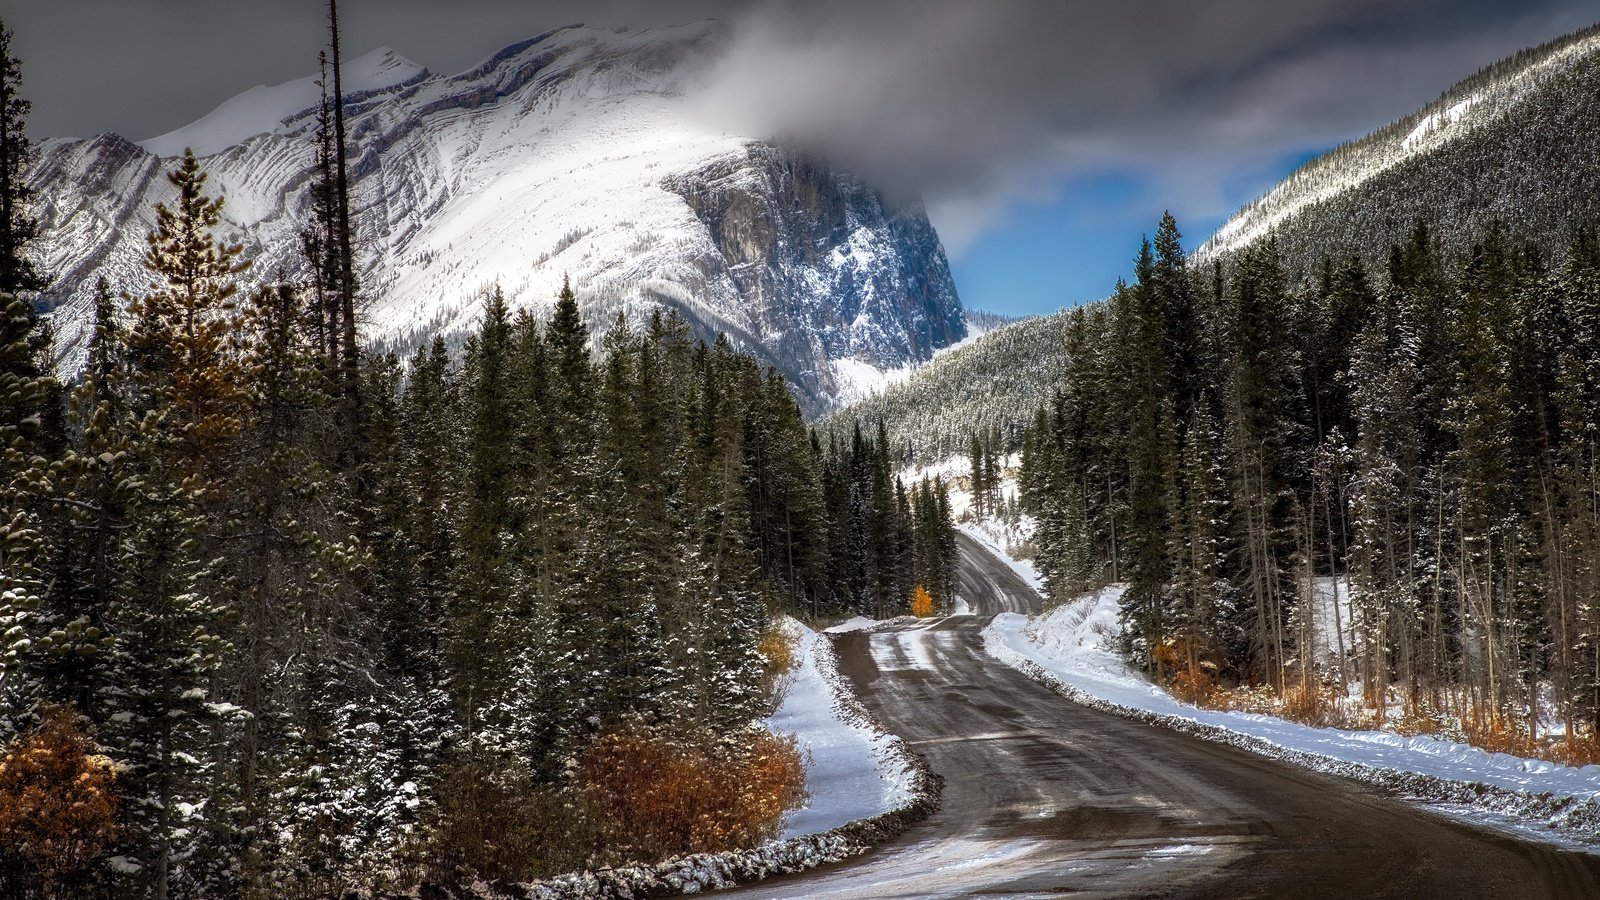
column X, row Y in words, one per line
column 1448, row 154
column 568, row 155
column 1522, row 153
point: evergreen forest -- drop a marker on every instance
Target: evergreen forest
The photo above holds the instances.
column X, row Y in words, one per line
column 1416, row 440
column 282, row 616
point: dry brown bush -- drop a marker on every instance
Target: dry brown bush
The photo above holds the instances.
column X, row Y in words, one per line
column 659, row 795
column 1575, row 750
column 1197, row 687
column 1499, row 733
column 1313, row 704
column 1193, row 673
column 58, row 804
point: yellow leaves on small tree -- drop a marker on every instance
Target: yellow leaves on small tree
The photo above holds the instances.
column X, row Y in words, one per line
column 921, row 602
column 777, row 648
column 57, row 803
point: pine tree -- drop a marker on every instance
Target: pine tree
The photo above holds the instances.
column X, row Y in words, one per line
column 18, row 228
column 342, row 239
column 23, row 480
column 182, row 342
column 96, row 476
column 181, row 412
column 1263, row 422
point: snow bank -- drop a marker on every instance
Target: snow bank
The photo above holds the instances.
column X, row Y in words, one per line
column 856, row 768
column 852, row 771
column 854, row 623
column 1070, row 650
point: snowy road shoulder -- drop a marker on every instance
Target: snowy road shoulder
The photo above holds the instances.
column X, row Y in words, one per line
column 1069, row 650
column 852, row 770
column 866, row 787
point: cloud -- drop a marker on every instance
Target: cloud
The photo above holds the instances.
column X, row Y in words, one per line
column 978, row 107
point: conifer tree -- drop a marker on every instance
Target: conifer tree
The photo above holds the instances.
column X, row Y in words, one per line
column 18, row 228
column 22, row 482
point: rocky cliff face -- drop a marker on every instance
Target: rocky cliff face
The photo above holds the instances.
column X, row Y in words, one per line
column 827, row 271
column 567, row 156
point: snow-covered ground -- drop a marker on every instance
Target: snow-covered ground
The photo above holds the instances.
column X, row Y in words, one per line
column 866, row 787
column 852, row 772
column 1074, row 646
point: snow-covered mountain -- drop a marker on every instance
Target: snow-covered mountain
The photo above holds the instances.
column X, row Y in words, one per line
column 569, row 155
column 1516, row 142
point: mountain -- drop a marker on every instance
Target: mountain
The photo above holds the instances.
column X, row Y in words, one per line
column 573, row 154
column 1515, row 142
column 991, row 383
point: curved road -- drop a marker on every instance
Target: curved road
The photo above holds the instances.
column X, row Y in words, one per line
column 1044, row 797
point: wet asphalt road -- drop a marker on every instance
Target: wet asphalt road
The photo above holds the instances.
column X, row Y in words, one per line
column 1047, row 798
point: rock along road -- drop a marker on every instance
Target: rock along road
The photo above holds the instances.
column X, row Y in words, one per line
column 1044, row 797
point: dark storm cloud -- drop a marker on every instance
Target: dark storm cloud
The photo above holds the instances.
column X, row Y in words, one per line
column 976, row 105
column 144, row 67
column 980, row 105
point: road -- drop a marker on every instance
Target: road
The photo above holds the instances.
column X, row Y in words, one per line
column 1044, row 797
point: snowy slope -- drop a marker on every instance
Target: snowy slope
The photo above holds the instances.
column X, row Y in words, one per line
column 1514, row 142
column 851, row 772
column 569, row 155
column 263, row 109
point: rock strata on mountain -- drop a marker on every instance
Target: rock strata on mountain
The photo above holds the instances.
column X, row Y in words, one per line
column 571, row 155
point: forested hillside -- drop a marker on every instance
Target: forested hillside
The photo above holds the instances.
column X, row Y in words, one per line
column 1514, row 143
column 1423, row 432
column 990, row 385
column 284, row 616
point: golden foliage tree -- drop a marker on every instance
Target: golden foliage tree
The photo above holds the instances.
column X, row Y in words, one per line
column 921, row 602
column 186, row 330
column 57, row 805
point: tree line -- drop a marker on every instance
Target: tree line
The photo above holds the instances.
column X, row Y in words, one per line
column 1226, row 443
column 279, row 616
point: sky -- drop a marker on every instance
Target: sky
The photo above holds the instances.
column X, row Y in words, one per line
column 1044, row 136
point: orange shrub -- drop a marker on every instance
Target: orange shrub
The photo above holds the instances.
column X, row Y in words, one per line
column 921, row 602
column 1197, row 687
column 1497, row 733
column 1576, row 750
column 1315, row 704
column 1193, row 677
column 777, row 651
column 661, row 795
column 778, row 659
column 57, row 803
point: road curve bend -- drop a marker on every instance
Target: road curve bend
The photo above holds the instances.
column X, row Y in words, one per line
column 1043, row 797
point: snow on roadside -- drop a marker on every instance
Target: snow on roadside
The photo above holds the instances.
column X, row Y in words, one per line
column 900, row 791
column 851, row 771
column 854, row 623
column 1071, row 649
column 985, row 533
